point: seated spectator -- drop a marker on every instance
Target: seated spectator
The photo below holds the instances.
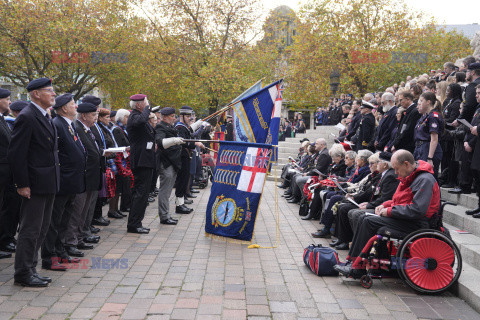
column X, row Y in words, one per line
column 416, row 200
column 297, row 166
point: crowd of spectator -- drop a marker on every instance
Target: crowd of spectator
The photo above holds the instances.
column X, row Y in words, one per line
column 396, row 148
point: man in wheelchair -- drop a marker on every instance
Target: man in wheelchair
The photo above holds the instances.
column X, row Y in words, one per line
column 415, row 201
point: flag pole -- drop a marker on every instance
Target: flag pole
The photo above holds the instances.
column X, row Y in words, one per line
column 219, row 112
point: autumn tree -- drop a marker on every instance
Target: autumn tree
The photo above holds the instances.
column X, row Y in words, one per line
column 333, row 34
column 73, row 42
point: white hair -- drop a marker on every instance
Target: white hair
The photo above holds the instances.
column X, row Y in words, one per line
column 133, row 104
column 337, row 150
column 121, row 113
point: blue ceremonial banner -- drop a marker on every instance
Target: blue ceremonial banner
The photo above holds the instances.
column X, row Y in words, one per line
column 237, row 187
column 242, row 130
column 253, row 114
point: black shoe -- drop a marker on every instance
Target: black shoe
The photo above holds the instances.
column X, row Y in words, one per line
column 344, row 270
column 151, row 199
column 342, row 246
column 94, row 229
column 5, row 255
column 189, row 195
column 115, row 215
column 174, row 219
column 84, row 246
column 100, row 222
column 31, row 282
column 187, row 201
column 65, row 258
column 282, row 186
column 127, row 210
column 137, row 230
column 168, row 221
column 9, row 247
column 476, row 215
column 289, row 198
column 194, row 191
column 334, row 243
column 183, row 209
column 120, row 213
column 287, row 194
column 459, row 191
column 53, row 265
column 309, row 216
column 92, row 239
column 74, row 252
column 294, row 200
column 472, row 211
column 322, row 234
column 46, row 279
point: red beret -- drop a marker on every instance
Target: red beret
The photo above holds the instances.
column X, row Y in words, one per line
column 138, row 97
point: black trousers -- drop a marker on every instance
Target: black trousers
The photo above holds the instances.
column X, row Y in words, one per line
column 35, row 214
column 476, row 184
column 126, row 191
column 343, row 229
column 9, row 215
column 141, row 188
column 465, row 177
column 183, row 176
column 61, row 213
column 368, row 226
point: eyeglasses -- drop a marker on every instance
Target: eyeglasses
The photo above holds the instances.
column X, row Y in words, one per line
column 48, row 89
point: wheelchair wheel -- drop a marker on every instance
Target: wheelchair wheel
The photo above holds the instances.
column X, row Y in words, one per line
column 366, row 281
column 430, row 262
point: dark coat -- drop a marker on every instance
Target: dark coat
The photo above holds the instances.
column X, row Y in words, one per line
column 338, row 169
column 353, row 126
column 384, row 189
column 321, row 162
column 368, row 189
column 5, row 137
column 385, row 128
column 121, row 137
column 229, row 131
column 404, row 138
column 473, row 141
column 33, row 152
column 72, row 157
column 170, row 156
column 470, row 104
column 141, row 134
column 186, row 133
column 95, row 161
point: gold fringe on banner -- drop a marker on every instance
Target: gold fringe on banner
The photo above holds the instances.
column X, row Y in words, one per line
column 225, row 239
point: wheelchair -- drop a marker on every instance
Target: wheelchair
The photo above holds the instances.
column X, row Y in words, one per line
column 427, row 260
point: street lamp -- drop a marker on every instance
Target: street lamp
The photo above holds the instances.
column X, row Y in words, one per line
column 334, row 81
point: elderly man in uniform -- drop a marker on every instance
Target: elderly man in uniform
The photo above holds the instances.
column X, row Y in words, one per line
column 169, row 161
column 76, row 234
column 33, row 158
column 72, row 157
column 5, row 137
column 142, row 153
column 366, row 128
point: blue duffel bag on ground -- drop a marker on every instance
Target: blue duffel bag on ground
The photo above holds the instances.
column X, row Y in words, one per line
column 321, row 260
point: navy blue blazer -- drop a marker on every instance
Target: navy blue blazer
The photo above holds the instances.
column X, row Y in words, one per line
column 33, row 152
column 141, row 135
column 72, row 156
column 5, row 137
column 385, row 127
column 94, row 169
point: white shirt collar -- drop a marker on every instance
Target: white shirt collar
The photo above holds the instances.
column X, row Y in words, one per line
column 86, row 128
column 43, row 111
column 68, row 120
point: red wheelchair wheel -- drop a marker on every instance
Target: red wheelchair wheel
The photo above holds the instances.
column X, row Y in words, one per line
column 431, row 262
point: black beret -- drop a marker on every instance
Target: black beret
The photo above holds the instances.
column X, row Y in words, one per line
column 86, row 107
column 113, row 113
column 186, row 110
column 62, row 100
column 167, row 111
column 385, row 156
column 366, row 104
column 39, row 84
column 92, row 99
column 303, row 140
column 4, row 93
column 474, row 66
column 18, row 105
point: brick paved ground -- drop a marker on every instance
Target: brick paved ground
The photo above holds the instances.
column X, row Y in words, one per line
column 177, row 273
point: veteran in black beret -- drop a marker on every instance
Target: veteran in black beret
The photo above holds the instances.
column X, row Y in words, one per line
column 79, row 225
column 17, row 107
column 33, row 158
column 168, row 161
column 142, row 160
column 72, row 157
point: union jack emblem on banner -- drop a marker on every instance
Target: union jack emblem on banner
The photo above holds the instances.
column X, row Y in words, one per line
column 254, row 170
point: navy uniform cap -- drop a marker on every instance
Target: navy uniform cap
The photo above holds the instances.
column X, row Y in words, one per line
column 62, row 100
column 167, row 111
column 92, row 99
column 474, row 66
column 113, row 113
column 4, row 93
column 86, row 107
column 186, row 110
column 366, row 104
column 18, row 105
column 39, row 84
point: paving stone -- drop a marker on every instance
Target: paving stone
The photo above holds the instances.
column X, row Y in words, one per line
column 280, row 306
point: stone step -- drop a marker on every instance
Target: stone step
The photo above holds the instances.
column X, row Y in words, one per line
column 469, row 201
column 468, row 286
column 469, row 246
column 455, row 215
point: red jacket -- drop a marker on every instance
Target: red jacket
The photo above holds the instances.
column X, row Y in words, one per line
column 417, row 196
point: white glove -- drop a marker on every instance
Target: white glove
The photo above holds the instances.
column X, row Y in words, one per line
column 168, row 142
column 196, row 125
column 205, row 124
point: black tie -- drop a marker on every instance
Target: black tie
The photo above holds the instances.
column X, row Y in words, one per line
column 93, row 138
